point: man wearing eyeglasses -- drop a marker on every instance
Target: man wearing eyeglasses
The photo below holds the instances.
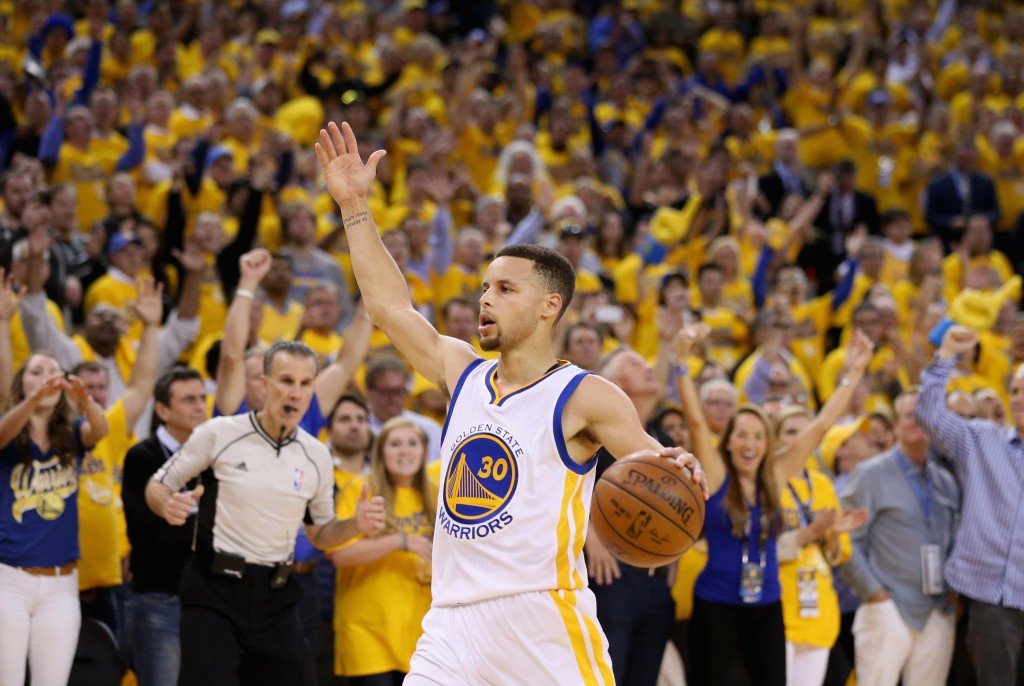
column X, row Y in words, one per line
column 387, row 389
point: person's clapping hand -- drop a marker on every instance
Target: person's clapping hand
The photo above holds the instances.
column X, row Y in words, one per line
column 370, row 512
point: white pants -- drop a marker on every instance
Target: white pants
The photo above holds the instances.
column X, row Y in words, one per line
column 886, row 648
column 39, row 618
column 526, row 639
column 805, row 664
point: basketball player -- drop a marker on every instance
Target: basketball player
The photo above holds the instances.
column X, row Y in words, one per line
column 510, row 600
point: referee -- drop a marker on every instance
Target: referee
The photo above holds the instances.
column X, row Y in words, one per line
column 262, row 477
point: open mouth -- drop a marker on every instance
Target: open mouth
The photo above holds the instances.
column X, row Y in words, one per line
column 486, row 323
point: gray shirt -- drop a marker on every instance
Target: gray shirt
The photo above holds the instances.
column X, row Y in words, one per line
column 887, row 550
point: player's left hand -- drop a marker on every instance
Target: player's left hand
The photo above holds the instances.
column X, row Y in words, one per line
column 688, row 465
column 370, row 512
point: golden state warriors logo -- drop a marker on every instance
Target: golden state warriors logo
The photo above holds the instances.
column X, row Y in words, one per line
column 481, row 479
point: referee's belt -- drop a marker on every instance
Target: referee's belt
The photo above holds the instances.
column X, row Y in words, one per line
column 235, row 566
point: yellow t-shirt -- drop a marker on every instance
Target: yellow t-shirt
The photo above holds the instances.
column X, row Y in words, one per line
column 816, row 623
column 953, row 272
column 324, row 345
column 455, row 283
column 875, row 377
column 691, row 564
column 379, row 607
column 88, row 171
column 20, row 351
column 100, row 513
column 811, row 320
column 281, row 326
column 722, row 320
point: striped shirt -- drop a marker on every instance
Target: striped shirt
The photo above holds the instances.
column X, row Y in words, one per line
column 987, row 562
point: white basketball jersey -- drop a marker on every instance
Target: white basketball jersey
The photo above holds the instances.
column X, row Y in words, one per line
column 512, row 506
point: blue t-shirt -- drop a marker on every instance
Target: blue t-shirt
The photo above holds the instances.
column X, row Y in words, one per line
column 39, row 506
column 720, row 580
column 312, row 422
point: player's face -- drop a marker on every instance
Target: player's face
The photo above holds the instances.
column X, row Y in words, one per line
column 290, row 386
column 511, row 303
column 350, row 429
column 403, row 452
column 748, row 444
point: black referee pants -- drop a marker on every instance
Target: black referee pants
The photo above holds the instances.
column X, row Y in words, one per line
column 237, row 632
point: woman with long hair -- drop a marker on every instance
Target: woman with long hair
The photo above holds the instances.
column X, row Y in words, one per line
column 383, row 588
column 737, row 603
column 42, row 441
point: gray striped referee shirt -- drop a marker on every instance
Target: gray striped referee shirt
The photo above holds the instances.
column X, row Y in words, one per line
column 987, row 562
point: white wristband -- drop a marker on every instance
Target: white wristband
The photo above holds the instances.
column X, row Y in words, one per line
column 244, row 293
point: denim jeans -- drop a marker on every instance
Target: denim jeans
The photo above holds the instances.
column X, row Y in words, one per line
column 151, row 635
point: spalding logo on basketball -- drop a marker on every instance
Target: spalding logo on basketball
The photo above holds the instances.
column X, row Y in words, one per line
column 481, row 479
column 645, row 512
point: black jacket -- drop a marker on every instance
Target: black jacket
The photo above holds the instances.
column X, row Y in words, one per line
column 159, row 550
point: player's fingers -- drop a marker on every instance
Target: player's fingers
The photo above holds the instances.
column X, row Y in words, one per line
column 327, row 145
column 364, row 495
column 350, row 138
column 375, row 157
column 337, row 139
column 321, row 154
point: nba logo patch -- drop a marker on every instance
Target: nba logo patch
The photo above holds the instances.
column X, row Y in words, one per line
column 297, row 479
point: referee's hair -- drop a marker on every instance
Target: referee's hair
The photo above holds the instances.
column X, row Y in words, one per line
column 294, row 348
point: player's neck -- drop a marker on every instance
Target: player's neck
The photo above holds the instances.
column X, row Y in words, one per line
column 524, row 364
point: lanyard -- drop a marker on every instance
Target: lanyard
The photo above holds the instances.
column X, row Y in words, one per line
column 803, row 509
column 748, row 533
column 922, row 491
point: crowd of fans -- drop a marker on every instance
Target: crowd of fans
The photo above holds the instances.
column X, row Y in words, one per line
column 789, row 184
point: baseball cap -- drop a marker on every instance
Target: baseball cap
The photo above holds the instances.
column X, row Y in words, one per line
column 217, row 152
column 836, row 436
column 879, row 98
column 120, row 241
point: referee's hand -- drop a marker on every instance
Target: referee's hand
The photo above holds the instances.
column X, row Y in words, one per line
column 179, row 507
column 369, row 512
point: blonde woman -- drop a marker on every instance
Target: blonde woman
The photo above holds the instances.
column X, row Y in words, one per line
column 383, row 588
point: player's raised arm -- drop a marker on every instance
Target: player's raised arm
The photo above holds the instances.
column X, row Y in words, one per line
column 384, row 290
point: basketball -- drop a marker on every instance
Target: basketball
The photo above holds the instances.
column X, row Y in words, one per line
column 646, row 512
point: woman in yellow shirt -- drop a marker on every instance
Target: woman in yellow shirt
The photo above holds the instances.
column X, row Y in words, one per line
column 819, row 541
column 383, row 588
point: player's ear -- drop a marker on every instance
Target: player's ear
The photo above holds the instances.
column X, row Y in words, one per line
column 552, row 305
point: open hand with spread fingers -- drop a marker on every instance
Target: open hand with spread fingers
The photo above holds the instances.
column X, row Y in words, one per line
column 346, row 176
